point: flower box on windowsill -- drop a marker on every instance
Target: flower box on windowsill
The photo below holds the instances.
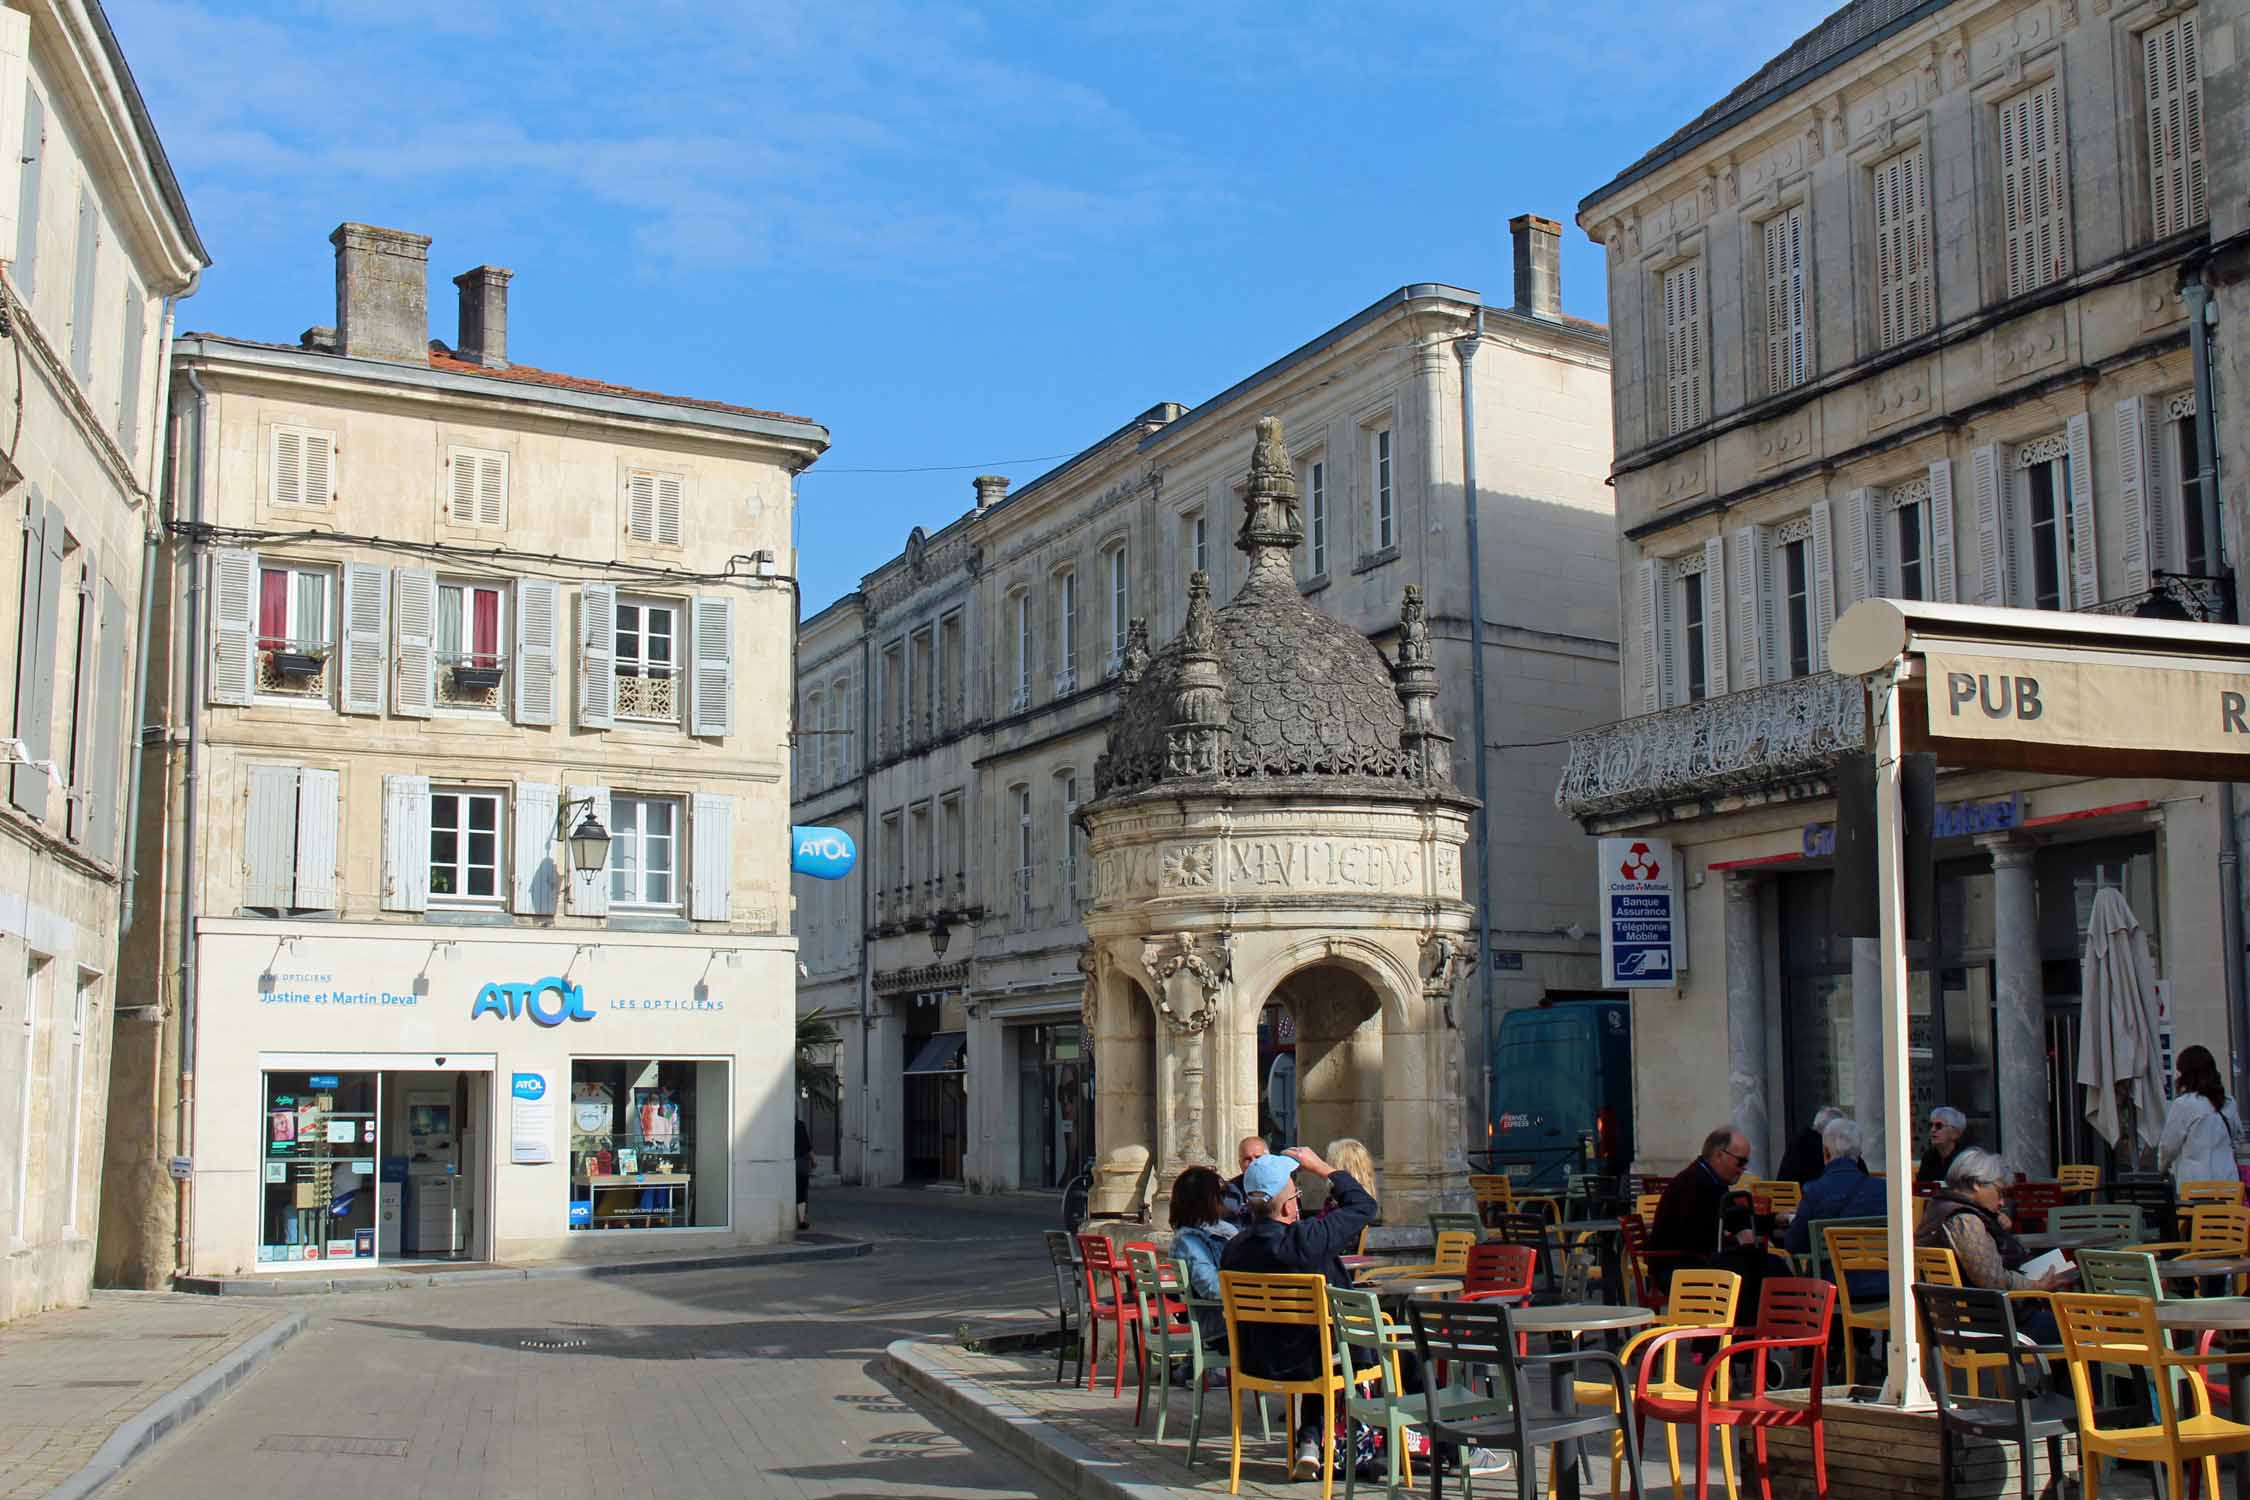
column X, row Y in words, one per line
column 295, row 663
column 470, row 681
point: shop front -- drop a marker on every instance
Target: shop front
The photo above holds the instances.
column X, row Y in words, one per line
column 366, row 1097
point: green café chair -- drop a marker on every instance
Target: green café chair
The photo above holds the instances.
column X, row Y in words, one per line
column 2117, row 1223
column 1177, row 1343
column 1441, row 1222
column 1364, row 1338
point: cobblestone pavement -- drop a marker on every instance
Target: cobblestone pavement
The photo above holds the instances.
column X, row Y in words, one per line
column 68, row 1379
column 737, row 1383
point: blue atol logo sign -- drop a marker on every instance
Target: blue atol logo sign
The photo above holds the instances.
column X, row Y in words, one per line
column 549, row 1002
column 581, row 1215
column 529, row 1086
column 823, row 853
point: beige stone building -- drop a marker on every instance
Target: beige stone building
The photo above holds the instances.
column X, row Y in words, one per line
column 982, row 663
column 1903, row 316
column 98, row 244
column 464, row 838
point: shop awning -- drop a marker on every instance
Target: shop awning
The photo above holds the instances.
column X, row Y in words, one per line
column 941, row 1053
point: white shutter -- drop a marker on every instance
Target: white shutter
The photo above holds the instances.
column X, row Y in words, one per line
column 111, row 690
column 1904, row 300
column 2035, row 194
column 317, row 795
column 1715, row 616
column 1785, row 300
column 415, row 609
column 366, row 623
column 652, row 507
column 35, row 647
column 1821, row 563
column 711, row 847
column 1750, row 608
column 2085, row 539
column 269, row 838
column 2173, row 86
column 1862, row 575
column 320, row 468
column 711, row 686
column 1993, row 561
column 80, row 765
column 477, row 487
column 234, row 625
column 1941, row 531
column 303, row 466
column 538, row 639
column 589, row 892
column 406, row 843
column 1650, row 587
column 1673, row 685
column 2160, row 458
column 597, row 654
column 2134, row 493
column 1683, row 345
column 668, row 510
column 536, row 876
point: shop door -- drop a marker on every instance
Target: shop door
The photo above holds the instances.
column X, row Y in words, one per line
column 936, row 1127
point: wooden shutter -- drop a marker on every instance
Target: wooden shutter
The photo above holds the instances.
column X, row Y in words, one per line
column 34, row 155
column 406, row 842
column 1821, row 564
column 415, row 609
column 597, row 654
column 2136, row 492
column 35, row 649
column 589, row 892
column 536, row 877
column 269, row 843
column 1785, row 300
column 1650, row 588
column 1673, row 678
column 668, row 510
column 2172, row 84
column 1905, row 301
column 1866, row 510
column 110, row 689
column 2085, row 538
column 2035, row 206
column 1748, row 575
column 315, row 884
column 234, row 624
column 87, row 264
column 477, row 487
column 82, row 699
column 1715, row 616
column 1941, row 531
column 303, row 465
column 1994, row 565
column 652, row 507
column 711, row 686
column 711, row 849
column 538, row 640
column 129, row 381
column 366, row 623
column 1683, row 345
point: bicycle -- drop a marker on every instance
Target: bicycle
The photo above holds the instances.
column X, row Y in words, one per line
column 1075, row 1193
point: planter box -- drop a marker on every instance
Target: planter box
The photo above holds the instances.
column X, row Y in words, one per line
column 472, row 680
column 295, row 663
column 1882, row 1453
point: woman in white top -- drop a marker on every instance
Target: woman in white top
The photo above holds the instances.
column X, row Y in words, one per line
column 2199, row 1132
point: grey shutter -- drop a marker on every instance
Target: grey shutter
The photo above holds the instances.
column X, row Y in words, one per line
column 34, row 155
column 538, row 639
column 82, row 700
column 1671, row 677
column 1650, row 585
column 711, row 695
column 1823, row 570
column 536, row 877
column 1749, row 573
column 1992, row 528
column 110, row 688
column 2085, row 537
column 711, row 848
column 597, row 649
column 1863, row 567
column 589, row 892
column 234, row 625
column 317, row 794
column 129, row 383
column 35, row 651
column 2144, row 551
column 366, row 623
column 1715, row 617
column 1771, row 646
column 270, row 838
column 668, row 510
column 82, row 294
column 406, row 843
column 1941, row 530
column 415, row 610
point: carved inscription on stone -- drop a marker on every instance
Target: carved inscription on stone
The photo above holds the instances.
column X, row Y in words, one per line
column 1324, row 864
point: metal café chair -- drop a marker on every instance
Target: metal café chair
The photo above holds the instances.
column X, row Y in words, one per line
column 1070, row 1303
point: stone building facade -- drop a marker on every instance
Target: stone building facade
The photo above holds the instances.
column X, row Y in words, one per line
column 1903, row 316
column 464, row 833
column 98, row 244
column 983, row 661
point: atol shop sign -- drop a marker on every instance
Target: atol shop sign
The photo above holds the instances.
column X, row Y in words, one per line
column 823, row 853
column 549, row 1002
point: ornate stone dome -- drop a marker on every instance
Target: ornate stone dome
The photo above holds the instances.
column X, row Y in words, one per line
column 1268, row 687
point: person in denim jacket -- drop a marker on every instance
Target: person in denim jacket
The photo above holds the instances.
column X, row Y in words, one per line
column 1200, row 1231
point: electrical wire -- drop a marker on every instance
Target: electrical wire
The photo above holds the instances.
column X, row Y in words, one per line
column 1528, row 744
column 498, row 561
column 821, row 471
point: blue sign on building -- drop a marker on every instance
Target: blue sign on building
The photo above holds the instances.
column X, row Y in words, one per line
column 549, row 1002
column 823, row 853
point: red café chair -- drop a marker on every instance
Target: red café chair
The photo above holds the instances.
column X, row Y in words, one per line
column 2028, row 1203
column 1793, row 1313
column 1632, row 1237
column 1499, row 1273
column 1109, row 1299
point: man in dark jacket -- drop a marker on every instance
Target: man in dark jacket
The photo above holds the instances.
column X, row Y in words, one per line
column 1247, row 1151
column 1281, row 1239
column 1803, row 1161
column 1842, row 1191
column 1698, row 1227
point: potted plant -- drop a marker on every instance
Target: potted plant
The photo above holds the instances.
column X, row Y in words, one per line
column 472, row 680
column 287, row 663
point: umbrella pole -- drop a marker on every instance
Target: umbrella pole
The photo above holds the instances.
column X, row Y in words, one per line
column 1904, row 1385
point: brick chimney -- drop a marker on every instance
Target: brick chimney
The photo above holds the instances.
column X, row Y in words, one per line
column 1538, row 265
column 484, row 316
column 382, row 293
column 990, row 489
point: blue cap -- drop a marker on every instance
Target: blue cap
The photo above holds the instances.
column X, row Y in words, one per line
column 1268, row 1175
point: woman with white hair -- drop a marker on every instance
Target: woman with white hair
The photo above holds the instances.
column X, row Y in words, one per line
column 1803, row 1161
column 1964, row 1216
column 1948, row 1126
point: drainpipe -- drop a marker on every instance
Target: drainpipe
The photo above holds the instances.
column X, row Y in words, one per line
column 1468, row 348
column 2202, row 313
column 137, row 705
column 184, row 1220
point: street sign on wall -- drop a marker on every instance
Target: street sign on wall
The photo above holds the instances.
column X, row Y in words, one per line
column 1640, row 914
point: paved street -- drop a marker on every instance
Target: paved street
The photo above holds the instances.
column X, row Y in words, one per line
column 722, row 1383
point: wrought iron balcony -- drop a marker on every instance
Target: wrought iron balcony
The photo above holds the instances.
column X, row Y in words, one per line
column 1754, row 740
column 2174, row 596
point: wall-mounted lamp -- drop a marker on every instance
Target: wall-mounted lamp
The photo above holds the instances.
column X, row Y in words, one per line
column 589, row 841
column 941, row 936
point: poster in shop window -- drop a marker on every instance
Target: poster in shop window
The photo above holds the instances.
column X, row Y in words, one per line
column 531, row 1132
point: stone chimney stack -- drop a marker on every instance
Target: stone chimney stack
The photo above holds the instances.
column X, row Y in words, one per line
column 1538, row 265
column 382, row 293
column 990, row 489
column 484, row 316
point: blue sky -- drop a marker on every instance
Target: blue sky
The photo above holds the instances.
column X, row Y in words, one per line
column 962, row 236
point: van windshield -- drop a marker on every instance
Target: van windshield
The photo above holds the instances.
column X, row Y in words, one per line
column 1546, row 1079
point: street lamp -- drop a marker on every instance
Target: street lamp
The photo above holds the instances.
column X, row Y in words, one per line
column 941, row 936
column 589, row 841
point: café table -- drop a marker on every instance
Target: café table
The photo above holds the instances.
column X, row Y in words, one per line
column 1608, row 1244
column 1571, row 1321
column 2070, row 1240
column 1398, row 1292
column 2230, row 1317
column 2187, row 1269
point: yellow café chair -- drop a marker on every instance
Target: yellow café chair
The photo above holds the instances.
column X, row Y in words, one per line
column 1495, row 1193
column 1450, row 1259
column 2124, row 1331
column 1849, row 1250
column 2224, row 1192
column 2079, row 1179
column 1289, row 1301
column 2215, row 1231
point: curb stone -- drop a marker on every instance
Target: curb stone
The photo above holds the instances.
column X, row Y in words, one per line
column 313, row 1286
column 161, row 1417
column 1080, row 1472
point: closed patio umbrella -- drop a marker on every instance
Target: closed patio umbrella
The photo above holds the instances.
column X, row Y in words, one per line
column 2117, row 1041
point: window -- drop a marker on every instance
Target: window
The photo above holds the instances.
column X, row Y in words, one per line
column 1120, row 603
column 38, row 976
column 1785, row 595
column 1692, row 641
column 81, row 1012
column 2172, row 84
column 1785, row 300
column 469, row 662
column 952, row 848
column 1020, row 603
column 289, row 839
column 1682, row 288
column 647, row 637
column 810, row 757
column 294, row 631
column 476, row 487
column 921, row 858
column 644, row 851
column 1796, row 606
column 890, row 852
column 652, row 507
column 303, row 466
column 1066, row 632
column 1384, row 509
column 1021, row 797
column 465, row 848
column 2183, row 456
column 1066, row 785
column 650, row 1140
column 1905, row 302
column 1316, row 508
column 2035, row 205
column 921, row 686
column 952, row 687
column 316, row 1202
column 1910, row 522
column 1683, row 625
column 1195, row 536
column 2047, row 525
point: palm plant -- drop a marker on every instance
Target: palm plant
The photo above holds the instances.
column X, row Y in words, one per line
column 815, row 1073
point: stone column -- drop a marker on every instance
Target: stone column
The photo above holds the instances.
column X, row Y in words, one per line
column 2019, row 1020
column 1746, row 1018
column 1867, row 1046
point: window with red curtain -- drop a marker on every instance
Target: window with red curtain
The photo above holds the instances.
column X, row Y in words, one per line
column 273, row 609
column 485, row 629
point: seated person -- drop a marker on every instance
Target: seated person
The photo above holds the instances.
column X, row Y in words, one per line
column 1801, row 1163
column 1964, row 1216
column 1948, row 1129
column 1843, row 1190
column 1698, row 1227
column 1200, row 1231
column 1246, row 1151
